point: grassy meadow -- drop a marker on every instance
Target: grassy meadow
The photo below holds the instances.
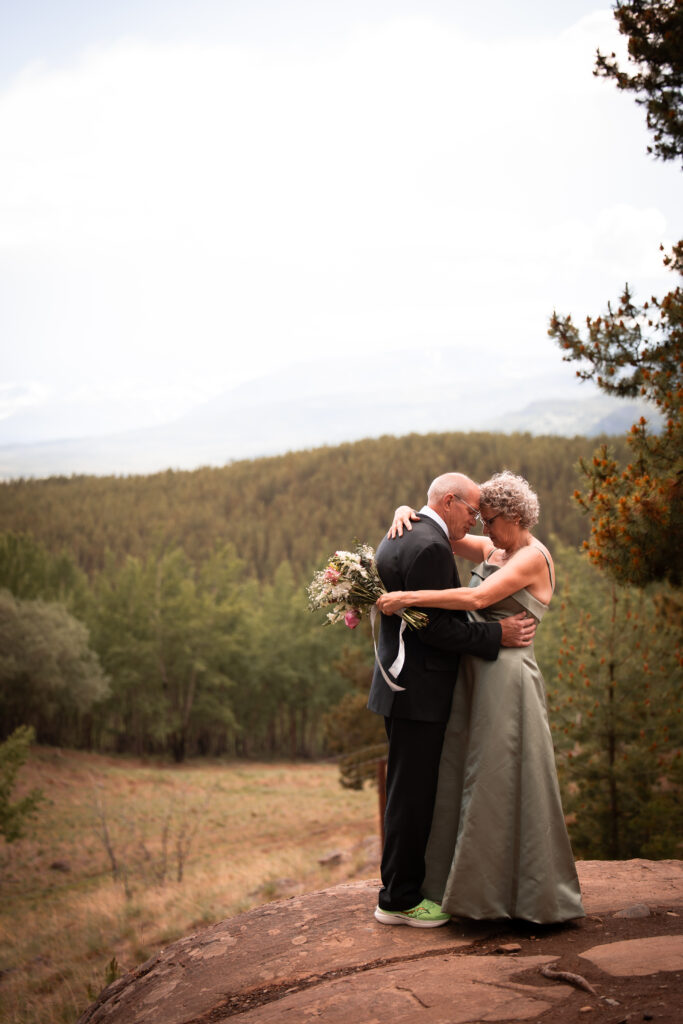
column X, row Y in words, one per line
column 94, row 889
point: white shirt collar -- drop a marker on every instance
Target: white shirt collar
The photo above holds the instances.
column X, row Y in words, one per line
column 427, row 511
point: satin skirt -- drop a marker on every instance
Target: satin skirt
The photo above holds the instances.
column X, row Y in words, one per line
column 498, row 846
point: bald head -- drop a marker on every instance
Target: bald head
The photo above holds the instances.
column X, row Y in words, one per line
column 455, row 497
column 449, row 483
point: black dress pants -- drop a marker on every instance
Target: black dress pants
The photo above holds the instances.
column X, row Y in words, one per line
column 412, row 774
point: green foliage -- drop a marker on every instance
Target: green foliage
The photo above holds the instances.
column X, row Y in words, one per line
column 293, row 508
column 204, row 660
column 208, row 653
column 29, row 570
column 165, row 634
column 49, row 676
column 350, row 727
column 655, row 43
column 616, row 694
column 13, row 754
column 291, row 673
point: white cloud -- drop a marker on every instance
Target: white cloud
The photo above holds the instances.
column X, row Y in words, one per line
column 18, row 396
column 173, row 213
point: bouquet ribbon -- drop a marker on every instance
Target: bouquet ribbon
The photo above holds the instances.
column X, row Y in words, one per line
column 397, row 663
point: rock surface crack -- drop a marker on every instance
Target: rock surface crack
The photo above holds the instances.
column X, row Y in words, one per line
column 239, row 1002
column 413, row 995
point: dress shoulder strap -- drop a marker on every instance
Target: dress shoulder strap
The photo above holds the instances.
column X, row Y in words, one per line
column 547, row 562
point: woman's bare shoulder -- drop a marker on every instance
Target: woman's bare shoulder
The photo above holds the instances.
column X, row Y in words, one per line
column 533, row 559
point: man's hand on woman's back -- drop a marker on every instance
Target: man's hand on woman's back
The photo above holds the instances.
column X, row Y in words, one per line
column 518, row 630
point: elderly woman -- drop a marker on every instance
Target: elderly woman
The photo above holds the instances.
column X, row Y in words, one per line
column 499, row 846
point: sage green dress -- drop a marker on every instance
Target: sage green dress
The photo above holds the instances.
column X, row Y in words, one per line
column 499, row 846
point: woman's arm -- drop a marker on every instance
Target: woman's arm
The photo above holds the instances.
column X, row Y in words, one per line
column 456, row 597
column 520, row 572
column 472, row 547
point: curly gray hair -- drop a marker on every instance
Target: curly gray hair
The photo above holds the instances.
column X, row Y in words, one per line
column 512, row 497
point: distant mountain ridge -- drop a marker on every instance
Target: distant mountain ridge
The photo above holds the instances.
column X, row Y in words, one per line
column 321, row 404
column 572, row 418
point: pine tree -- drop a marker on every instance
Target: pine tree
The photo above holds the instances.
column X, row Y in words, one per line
column 636, row 349
column 655, row 43
column 616, row 708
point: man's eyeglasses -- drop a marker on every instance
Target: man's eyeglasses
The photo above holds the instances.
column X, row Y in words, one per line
column 474, row 511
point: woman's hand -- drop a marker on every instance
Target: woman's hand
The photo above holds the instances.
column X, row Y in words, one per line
column 402, row 517
column 392, row 602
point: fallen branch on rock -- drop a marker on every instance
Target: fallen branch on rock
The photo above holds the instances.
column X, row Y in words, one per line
column 572, row 979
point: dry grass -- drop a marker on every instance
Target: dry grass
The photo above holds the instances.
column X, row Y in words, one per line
column 259, row 832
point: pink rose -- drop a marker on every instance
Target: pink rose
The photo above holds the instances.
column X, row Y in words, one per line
column 331, row 574
column 352, row 618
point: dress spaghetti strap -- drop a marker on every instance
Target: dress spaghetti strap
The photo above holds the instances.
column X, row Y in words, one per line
column 547, row 562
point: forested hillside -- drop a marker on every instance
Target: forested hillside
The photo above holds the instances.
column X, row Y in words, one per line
column 167, row 615
column 293, row 508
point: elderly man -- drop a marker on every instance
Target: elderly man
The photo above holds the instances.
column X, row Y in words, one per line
column 424, row 664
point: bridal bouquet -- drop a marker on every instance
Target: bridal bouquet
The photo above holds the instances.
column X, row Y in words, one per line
column 350, row 585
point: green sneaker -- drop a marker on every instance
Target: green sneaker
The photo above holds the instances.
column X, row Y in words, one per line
column 426, row 914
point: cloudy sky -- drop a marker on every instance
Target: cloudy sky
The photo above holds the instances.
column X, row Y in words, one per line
column 196, row 192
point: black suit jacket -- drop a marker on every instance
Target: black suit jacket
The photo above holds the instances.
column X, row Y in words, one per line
column 422, row 560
